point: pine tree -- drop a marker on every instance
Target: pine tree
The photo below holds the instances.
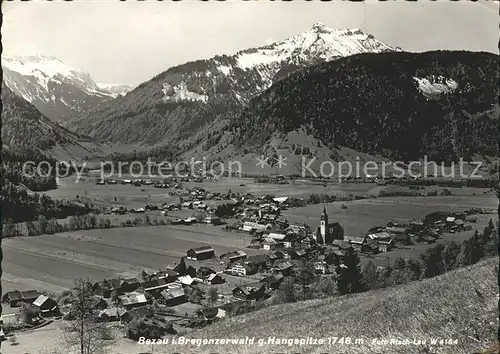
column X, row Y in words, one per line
column 451, row 252
column 371, row 276
column 477, row 248
column 465, row 257
column 432, row 261
column 349, row 277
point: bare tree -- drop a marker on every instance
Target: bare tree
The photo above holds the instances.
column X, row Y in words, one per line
column 81, row 331
column 212, row 295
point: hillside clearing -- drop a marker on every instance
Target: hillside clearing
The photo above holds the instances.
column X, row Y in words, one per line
column 461, row 305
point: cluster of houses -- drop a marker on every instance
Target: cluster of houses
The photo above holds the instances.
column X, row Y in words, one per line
column 41, row 303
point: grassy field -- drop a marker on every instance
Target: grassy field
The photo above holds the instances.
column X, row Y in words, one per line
column 51, row 262
column 461, row 305
column 361, row 215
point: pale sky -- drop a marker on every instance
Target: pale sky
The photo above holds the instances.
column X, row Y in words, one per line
column 131, row 42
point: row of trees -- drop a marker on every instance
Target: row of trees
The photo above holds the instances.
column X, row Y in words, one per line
column 20, row 205
column 44, row 225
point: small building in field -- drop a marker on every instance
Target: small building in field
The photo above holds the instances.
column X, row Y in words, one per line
column 201, row 253
column 46, row 306
column 16, row 298
column 212, row 220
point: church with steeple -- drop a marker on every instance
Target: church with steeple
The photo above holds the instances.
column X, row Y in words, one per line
column 326, row 232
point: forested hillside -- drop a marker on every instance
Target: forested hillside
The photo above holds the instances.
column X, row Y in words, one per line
column 402, row 105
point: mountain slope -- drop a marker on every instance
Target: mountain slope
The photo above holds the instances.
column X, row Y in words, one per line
column 401, row 105
column 25, row 128
column 55, row 88
column 461, row 304
column 189, row 101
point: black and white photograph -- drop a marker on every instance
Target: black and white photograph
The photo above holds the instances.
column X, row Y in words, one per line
column 250, row 177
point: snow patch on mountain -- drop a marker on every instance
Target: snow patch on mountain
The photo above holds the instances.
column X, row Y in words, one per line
column 180, row 92
column 433, row 86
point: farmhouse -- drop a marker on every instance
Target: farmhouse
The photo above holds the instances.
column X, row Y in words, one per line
column 385, row 245
column 239, row 269
column 201, row 253
column 46, row 306
column 212, row 220
column 252, row 291
column 155, row 285
column 211, row 313
column 173, row 297
column 16, row 297
column 270, row 244
column 256, row 260
column 356, row 240
column 215, row 279
column 286, row 239
column 284, row 267
column 168, row 275
column 204, row 271
column 186, row 280
column 233, row 256
column 273, row 281
column 111, row 315
column 252, row 225
column 133, row 300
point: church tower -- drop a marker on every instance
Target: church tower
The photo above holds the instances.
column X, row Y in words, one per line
column 324, row 225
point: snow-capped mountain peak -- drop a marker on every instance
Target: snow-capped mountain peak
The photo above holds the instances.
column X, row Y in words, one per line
column 319, row 42
column 57, row 89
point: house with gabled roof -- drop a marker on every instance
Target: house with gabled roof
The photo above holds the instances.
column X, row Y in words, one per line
column 172, row 297
column 46, row 306
column 201, row 253
column 132, row 300
column 16, row 298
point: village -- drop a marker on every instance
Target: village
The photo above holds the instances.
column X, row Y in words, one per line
column 203, row 287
